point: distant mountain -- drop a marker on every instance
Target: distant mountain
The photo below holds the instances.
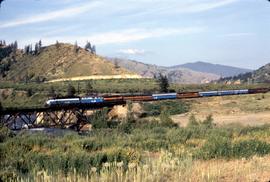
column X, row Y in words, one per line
column 262, row 75
column 175, row 74
column 217, row 69
column 59, row 61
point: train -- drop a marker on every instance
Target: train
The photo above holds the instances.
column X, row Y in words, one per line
column 148, row 97
column 74, row 101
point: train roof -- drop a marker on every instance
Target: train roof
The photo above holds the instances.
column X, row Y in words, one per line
column 164, row 94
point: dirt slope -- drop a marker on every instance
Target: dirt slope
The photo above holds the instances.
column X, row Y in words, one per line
column 61, row 61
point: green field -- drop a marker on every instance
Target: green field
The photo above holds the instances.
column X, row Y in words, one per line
column 126, row 148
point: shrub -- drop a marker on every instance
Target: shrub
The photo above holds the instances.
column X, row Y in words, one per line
column 173, row 107
column 249, row 148
column 208, row 122
column 165, row 119
column 215, row 147
column 192, row 121
column 70, row 91
column 5, row 133
column 29, row 92
column 99, row 119
column 126, row 127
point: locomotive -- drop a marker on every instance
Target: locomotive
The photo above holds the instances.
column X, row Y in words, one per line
column 74, row 101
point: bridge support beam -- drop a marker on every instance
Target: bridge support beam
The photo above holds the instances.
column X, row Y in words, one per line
column 74, row 118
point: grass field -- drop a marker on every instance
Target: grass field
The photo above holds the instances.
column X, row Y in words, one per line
column 152, row 148
column 243, row 109
column 167, row 144
column 156, row 151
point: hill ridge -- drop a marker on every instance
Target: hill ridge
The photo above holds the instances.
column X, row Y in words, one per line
column 58, row 62
column 218, row 69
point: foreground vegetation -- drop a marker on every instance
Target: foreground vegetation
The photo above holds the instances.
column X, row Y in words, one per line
column 152, row 150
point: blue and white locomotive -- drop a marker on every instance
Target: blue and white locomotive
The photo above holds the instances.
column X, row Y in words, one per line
column 74, row 101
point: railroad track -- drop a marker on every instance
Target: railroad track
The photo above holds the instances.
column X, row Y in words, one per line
column 65, row 108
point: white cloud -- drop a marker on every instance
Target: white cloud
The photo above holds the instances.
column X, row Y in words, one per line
column 131, row 51
column 130, row 35
column 165, row 7
column 125, row 36
column 205, row 6
column 239, row 34
column 63, row 13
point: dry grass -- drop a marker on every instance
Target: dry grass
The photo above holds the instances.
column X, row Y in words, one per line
column 166, row 168
column 244, row 109
column 62, row 62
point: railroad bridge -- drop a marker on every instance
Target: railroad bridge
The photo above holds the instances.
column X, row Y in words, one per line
column 51, row 117
column 65, row 116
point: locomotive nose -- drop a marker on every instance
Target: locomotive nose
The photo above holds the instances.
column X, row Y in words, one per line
column 48, row 102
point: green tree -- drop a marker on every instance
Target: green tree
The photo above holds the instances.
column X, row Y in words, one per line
column 39, row 44
column 88, row 46
column 93, row 50
column 76, row 47
column 163, row 83
column 36, row 49
column 116, row 64
column 57, row 44
column 70, row 91
column 89, row 88
column 29, row 92
column 1, row 2
column 51, row 92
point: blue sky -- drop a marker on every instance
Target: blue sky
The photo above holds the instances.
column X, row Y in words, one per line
column 162, row 32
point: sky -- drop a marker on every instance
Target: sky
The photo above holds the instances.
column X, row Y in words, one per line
column 161, row 32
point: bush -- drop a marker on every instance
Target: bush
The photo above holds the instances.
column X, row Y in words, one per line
column 222, row 147
column 126, row 127
column 173, row 107
column 249, row 148
column 192, row 121
column 29, row 92
column 5, row 133
column 215, row 147
column 208, row 122
column 99, row 119
column 165, row 119
column 71, row 91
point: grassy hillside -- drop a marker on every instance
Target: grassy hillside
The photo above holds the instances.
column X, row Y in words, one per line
column 262, row 75
column 174, row 74
column 59, row 61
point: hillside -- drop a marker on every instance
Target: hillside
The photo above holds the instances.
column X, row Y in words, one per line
column 175, row 75
column 262, row 75
column 59, row 61
column 221, row 70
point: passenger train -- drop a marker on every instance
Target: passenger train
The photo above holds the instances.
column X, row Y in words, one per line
column 152, row 97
